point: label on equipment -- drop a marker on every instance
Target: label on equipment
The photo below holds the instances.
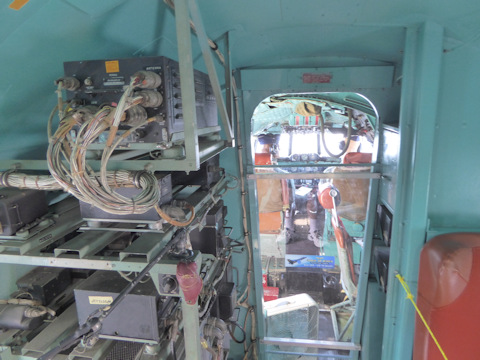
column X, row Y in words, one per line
column 112, row 66
column 114, row 81
column 309, row 78
column 100, row 300
column 310, row 261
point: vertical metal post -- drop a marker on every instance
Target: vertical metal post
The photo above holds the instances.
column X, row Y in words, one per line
column 365, row 265
column 185, row 59
column 257, row 263
column 212, row 73
column 420, row 86
column 191, row 328
column 191, row 331
column 229, row 82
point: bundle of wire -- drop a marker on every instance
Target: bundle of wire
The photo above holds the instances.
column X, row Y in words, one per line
column 66, row 157
column 24, row 181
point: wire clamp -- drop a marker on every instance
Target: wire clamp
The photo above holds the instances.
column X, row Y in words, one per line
column 4, row 177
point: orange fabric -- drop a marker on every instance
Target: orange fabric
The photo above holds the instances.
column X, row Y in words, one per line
column 269, row 194
column 270, row 223
column 345, row 242
column 285, row 194
column 325, row 199
column 357, row 158
column 263, row 159
column 269, row 191
column 448, row 293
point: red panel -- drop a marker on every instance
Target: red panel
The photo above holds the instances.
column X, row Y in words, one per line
column 263, row 159
column 269, row 292
column 357, row 158
column 270, row 223
column 449, row 298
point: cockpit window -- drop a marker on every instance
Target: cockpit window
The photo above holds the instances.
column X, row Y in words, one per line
column 315, row 128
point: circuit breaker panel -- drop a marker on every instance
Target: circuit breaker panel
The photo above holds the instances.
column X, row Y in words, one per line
column 102, row 82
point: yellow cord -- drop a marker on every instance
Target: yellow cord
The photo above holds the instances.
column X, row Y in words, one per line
column 410, row 297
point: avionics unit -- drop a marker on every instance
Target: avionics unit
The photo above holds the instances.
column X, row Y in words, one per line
column 136, row 317
column 92, row 213
column 19, row 208
column 102, row 82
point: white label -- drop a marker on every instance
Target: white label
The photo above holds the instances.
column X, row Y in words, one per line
column 100, row 300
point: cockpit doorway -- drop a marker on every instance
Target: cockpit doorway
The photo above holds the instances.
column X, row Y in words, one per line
column 314, row 158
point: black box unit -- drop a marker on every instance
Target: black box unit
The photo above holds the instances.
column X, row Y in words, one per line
column 136, row 317
column 208, row 174
column 45, row 283
column 207, row 241
column 19, row 208
column 332, row 288
column 13, row 317
column 102, row 82
column 225, row 302
column 381, row 255
column 385, row 219
column 90, row 212
column 301, row 280
column 211, row 239
column 216, row 215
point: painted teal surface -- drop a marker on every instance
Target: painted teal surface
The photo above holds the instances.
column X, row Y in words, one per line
column 381, row 90
column 417, row 119
column 455, row 190
column 284, row 82
column 10, row 274
column 374, row 315
column 35, row 41
column 376, row 83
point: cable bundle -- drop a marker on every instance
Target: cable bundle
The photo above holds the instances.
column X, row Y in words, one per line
column 66, row 157
column 67, row 160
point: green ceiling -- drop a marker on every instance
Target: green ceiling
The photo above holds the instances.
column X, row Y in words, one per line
column 36, row 40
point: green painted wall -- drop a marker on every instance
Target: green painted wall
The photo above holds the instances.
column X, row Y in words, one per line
column 35, row 41
column 454, row 190
column 374, row 315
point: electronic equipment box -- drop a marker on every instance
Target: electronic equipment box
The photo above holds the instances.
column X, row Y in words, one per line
column 102, row 82
column 211, row 239
column 19, row 208
column 45, row 283
column 134, row 318
column 92, row 213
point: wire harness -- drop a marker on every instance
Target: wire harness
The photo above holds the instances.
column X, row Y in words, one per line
column 67, row 158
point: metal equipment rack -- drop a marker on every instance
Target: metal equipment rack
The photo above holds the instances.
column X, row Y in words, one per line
column 195, row 152
column 81, row 252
